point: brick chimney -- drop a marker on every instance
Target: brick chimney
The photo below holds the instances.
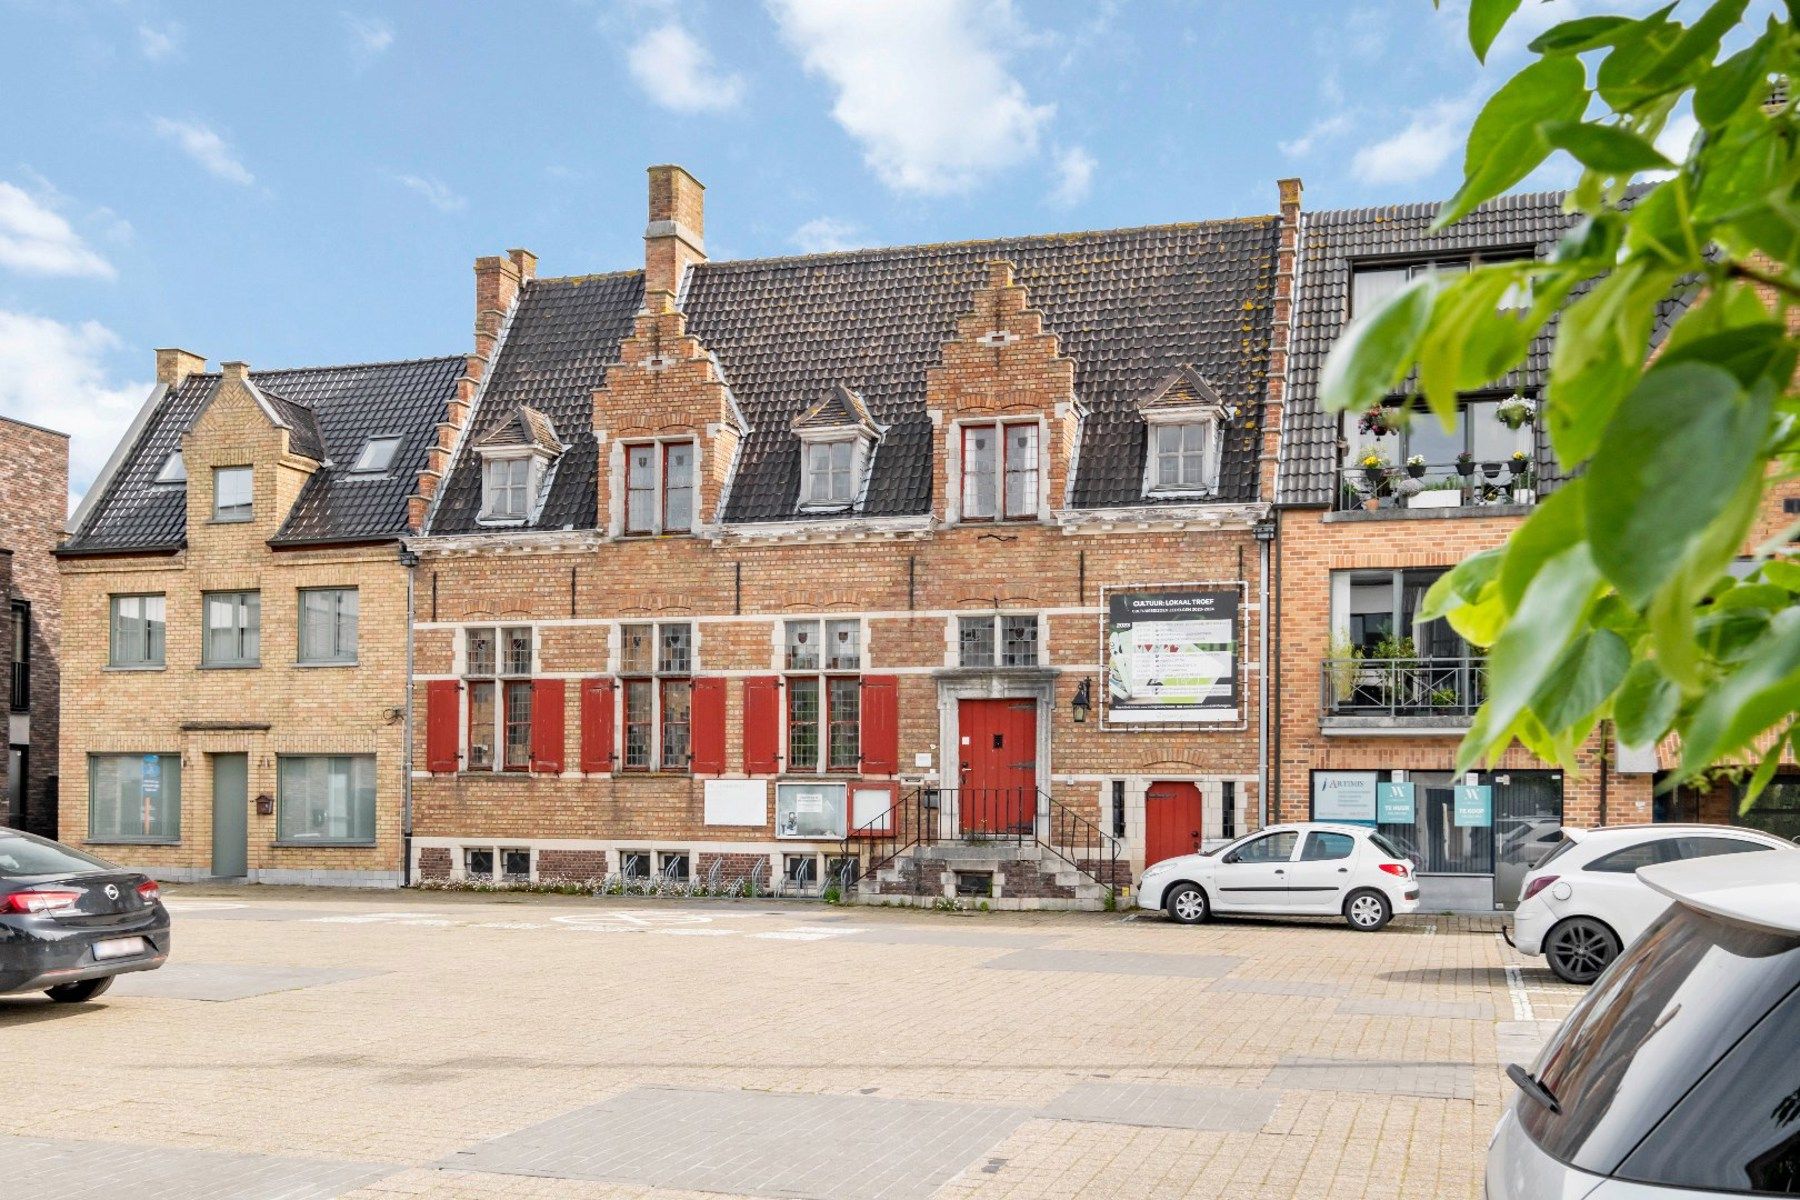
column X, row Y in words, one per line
column 498, row 281
column 675, row 237
column 174, row 365
column 1275, row 397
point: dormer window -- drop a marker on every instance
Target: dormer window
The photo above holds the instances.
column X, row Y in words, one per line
column 377, row 455
column 1183, row 419
column 659, row 487
column 1000, row 471
column 837, row 438
column 516, row 456
column 174, row 470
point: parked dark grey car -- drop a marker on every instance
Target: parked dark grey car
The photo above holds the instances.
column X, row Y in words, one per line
column 70, row 922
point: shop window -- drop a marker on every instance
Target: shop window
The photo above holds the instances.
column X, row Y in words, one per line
column 326, row 798
column 138, row 632
column 657, row 663
column 498, row 666
column 1519, row 823
column 1000, row 471
column 134, row 797
column 1005, row 641
column 659, row 487
column 810, row 810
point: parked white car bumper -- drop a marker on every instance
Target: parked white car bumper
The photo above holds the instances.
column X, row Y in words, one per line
column 1530, row 922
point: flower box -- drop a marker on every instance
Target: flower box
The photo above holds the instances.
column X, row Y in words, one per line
column 1435, row 498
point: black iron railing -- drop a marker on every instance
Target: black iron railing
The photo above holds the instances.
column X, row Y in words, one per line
column 930, row 816
column 1403, row 687
column 21, row 687
column 1436, row 485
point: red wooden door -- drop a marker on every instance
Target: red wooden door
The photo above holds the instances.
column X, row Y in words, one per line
column 1172, row 824
column 998, row 777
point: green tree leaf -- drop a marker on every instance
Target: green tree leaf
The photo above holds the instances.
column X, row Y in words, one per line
column 1729, row 86
column 1645, row 705
column 1582, row 679
column 1486, row 19
column 1587, row 33
column 1559, row 522
column 1507, row 143
column 1375, row 352
column 1748, row 701
column 1605, row 148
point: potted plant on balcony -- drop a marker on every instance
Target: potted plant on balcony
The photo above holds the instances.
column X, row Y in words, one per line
column 1344, row 661
column 1398, row 670
column 1374, row 469
column 1415, row 466
column 1515, row 412
column 1443, row 697
column 1376, row 423
column 1465, row 464
column 1524, row 480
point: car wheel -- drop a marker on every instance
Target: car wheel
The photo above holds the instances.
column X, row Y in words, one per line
column 1367, row 910
column 81, row 989
column 1187, row 903
column 1580, row 948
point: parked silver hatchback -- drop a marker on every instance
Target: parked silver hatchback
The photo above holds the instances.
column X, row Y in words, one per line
column 1678, row 1075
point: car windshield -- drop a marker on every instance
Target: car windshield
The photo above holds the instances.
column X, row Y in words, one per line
column 23, row 854
column 1653, row 1026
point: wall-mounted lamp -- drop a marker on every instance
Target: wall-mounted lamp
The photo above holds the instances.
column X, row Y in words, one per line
column 1082, row 704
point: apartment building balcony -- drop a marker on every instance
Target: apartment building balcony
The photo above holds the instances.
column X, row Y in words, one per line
column 1464, row 488
column 1400, row 695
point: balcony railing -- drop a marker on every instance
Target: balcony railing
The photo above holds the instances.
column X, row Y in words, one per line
column 1436, row 485
column 21, row 687
column 1423, row 690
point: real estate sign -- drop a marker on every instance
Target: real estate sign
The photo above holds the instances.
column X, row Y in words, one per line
column 1344, row 796
column 1172, row 657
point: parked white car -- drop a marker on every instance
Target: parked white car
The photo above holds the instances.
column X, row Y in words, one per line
column 1584, row 902
column 1674, row 1078
column 1308, row 868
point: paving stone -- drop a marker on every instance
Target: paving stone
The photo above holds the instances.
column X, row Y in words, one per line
column 77, row 1170
column 1117, row 962
column 1243, row 1110
column 754, row 1143
column 1443, row 1080
column 1375, row 1006
column 208, row 981
column 1520, row 1041
column 954, row 937
column 1276, row 987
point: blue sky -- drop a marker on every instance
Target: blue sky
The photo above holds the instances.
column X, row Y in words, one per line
column 306, row 183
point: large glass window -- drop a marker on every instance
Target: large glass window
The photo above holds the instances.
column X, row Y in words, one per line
column 1010, row 640
column 657, row 662
column 134, row 797
column 233, row 629
column 999, row 471
column 232, row 493
column 328, row 618
column 138, row 631
column 327, row 798
column 824, row 711
column 498, row 663
column 659, row 487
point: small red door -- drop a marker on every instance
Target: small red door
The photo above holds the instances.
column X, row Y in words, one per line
column 998, row 777
column 1172, row 823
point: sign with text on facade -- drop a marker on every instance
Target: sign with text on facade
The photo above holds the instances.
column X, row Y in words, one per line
column 1172, row 657
column 1344, row 796
column 1394, row 803
column 1473, row 805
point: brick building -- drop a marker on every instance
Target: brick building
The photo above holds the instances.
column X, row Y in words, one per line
column 733, row 560
column 238, row 708
column 34, row 500
column 1373, row 701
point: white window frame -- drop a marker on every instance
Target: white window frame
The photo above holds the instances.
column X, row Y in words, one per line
column 959, row 479
column 174, row 469
column 234, row 514
column 1211, row 420
column 659, row 487
column 533, row 484
column 997, row 627
column 658, row 678
column 390, row 441
column 501, row 678
column 825, row 441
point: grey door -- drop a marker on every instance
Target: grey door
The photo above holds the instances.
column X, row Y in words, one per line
column 231, row 799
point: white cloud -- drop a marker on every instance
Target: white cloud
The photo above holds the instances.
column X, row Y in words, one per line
column 437, row 193
column 678, row 73
column 37, row 240
column 822, row 235
column 205, row 147
column 1074, row 176
column 921, row 85
column 370, row 37
column 156, row 43
column 1429, row 139
column 56, row 377
column 1677, row 136
column 1322, row 130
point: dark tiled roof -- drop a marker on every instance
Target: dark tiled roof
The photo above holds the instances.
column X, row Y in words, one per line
column 1330, row 242
column 840, row 409
column 1130, row 306
column 303, row 428
column 527, row 427
column 346, row 405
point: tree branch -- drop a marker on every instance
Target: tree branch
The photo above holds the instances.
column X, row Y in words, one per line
column 1738, row 270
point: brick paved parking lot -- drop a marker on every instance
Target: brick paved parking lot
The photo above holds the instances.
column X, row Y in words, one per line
column 318, row 1044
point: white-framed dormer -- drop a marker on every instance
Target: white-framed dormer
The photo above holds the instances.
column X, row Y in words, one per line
column 517, row 457
column 1184, row 423
column 838, row 438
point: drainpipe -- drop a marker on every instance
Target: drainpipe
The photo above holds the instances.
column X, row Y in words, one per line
column 1265, row 538
column 409, row 559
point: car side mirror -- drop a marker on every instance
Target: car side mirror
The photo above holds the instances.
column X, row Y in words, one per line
column 1231, row 858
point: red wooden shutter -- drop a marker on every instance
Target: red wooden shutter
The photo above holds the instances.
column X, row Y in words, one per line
column 707, row 730
column 547, row 725
column 880, row 725
column 443, row 726
column 597, row 726
column 762, row 725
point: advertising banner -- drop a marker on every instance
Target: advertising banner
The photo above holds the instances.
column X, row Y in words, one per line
column 1344, row 796
column 1394, row 804
column 1474, row 805
column 1172, row 658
